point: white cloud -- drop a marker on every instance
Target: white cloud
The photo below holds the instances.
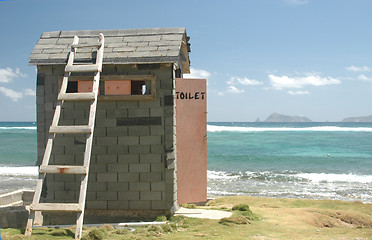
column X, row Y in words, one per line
column 13, row 95
column 358, row 69
column 296, row 2
column 197, row 73
column 298, row 92
column 365, row 78
column 7, row 75
column 29, row 92
column 233, row 89
column 281, row 82
column 243, row 81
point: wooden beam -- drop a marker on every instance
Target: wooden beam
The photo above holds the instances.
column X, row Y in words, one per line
column 56, row 207
column 63, row 169
column 71, row 129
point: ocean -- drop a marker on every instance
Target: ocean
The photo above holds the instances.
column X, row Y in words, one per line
column 289, row 160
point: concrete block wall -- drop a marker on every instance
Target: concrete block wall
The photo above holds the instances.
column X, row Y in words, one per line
column 132, row 164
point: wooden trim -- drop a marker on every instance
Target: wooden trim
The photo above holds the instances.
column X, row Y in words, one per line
column 150, row 77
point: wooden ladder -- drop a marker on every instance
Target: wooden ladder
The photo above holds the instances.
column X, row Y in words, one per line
column 85, row 129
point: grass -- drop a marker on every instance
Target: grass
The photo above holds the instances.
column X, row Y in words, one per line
column 253, row 218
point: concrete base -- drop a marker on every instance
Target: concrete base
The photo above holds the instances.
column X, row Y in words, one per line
column 99, row 216
column 203, row 213
column 14, row 209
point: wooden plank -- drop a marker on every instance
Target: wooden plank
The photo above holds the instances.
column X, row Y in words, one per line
column 56, row 207
column 76, row 96
column 82, row 68
column 63, row 169
column 71, row 129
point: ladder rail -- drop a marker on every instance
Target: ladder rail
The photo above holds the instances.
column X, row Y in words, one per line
column 88, row 130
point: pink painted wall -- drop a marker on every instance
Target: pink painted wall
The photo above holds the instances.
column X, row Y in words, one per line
column 191, row 130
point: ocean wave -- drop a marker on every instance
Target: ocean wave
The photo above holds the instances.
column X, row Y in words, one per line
column 19, row 171
column 331, row 177
column 213, row 128
column 220, row 175
column 289, row 176
column 17, row 128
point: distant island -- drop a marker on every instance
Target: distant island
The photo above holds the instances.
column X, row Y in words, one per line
column 276, row 117
column 358, row 119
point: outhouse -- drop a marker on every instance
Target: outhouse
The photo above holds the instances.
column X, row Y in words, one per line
column 150, row 127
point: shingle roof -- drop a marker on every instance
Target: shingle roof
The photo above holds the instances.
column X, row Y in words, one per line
column 126, row 46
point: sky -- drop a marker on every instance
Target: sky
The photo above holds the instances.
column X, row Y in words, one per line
column 295, row 57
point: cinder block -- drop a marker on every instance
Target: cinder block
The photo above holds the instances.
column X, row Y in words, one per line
column 138, row 130
column 96, row 205
column 107, row 140
column 156, row 130
column 128, row 177
column 64, row 178
column 117, row 149
column 129, row 196
column 150, row 177
column 57, row 150
column 118, row 186
column 128, row 158
column 107, row 195
column 139, row 186
column 139, row 112
column 106, row 105
column 150, row 104
column 106, row 122
column 169, row 111
column 139, row 205
column 157, row 167
column 129, row 140
column 139, row 149
column 99, row 132
column 118, row 167
column 91, row 196
column 107, row 177
column 127, row 104
column 150, row 196
column 139, row 167
column 101, row 113
column 97, row 186
column 157, row 205
column 123, row 205
column 151, row 158
column 100, row 149
column 82, row 105
column 97, row 167
column 150, row 140
column 115, row 113
column 157, row 186
column 112, row 158
column 56, row 186
column 65, row 195
column 64, row 141
column 157, row 149
column 78, row 121
column 156, row 112
column 117, row 131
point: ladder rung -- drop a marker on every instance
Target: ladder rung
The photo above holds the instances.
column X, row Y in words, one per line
column 76, row 96
column 63, row 169
column 83, row 68
column 82, row 45
column 70, row 129
column 56, row 207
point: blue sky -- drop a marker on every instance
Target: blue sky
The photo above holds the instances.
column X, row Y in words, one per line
column 297, row 57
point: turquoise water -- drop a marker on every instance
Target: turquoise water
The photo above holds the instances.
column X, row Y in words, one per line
column 300, row 160
column 295, row 160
